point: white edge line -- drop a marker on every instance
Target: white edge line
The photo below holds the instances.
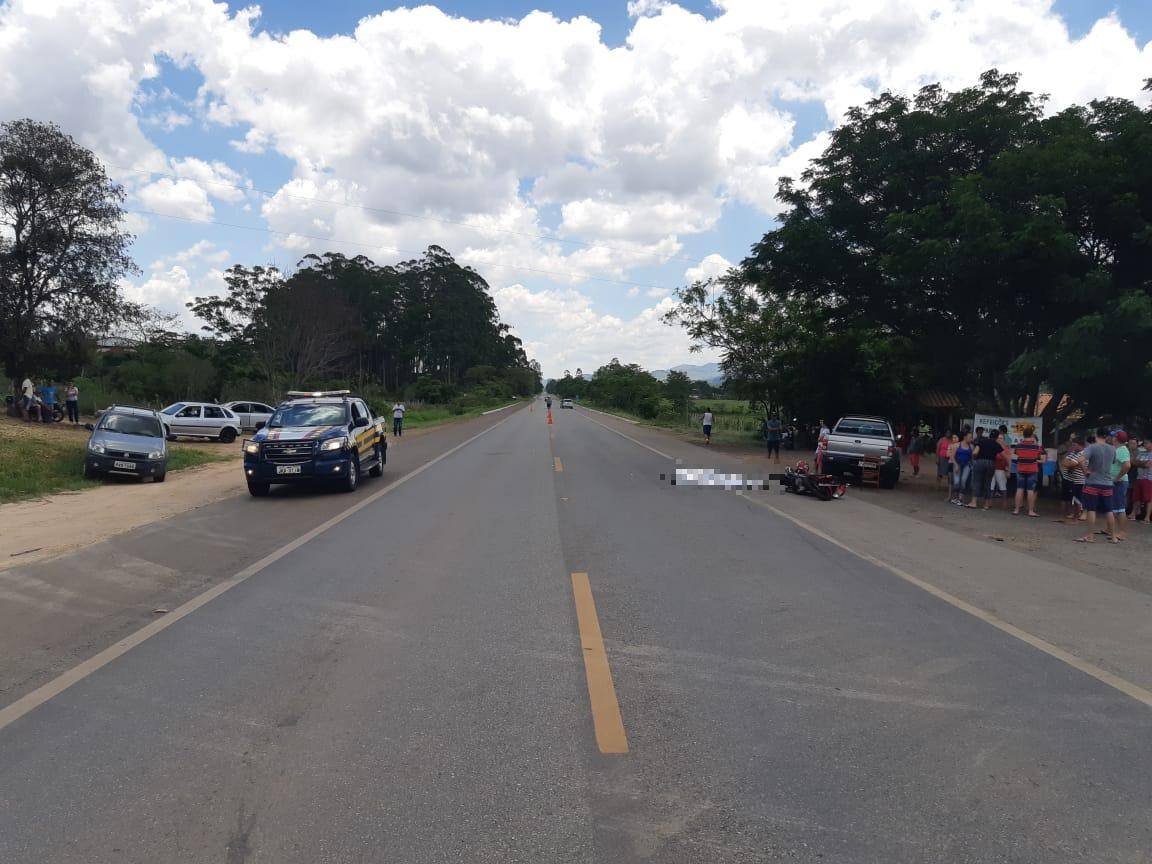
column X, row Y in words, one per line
column 629, row 437
column 1134, row 691
column 607, row 414
column 30, row 701
column 494, row 410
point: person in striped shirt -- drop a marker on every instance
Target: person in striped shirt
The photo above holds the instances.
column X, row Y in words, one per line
column 1029, row 457
column 1072, row 479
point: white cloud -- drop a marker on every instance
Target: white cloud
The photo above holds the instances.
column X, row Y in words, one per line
column 636, row 8
column 169, row 289
column 216, row 178
column 486, row 129
column 634, row 291
column 710, row 267
column 590, row 338
column 185, row 199
column 169, row 120
column 201, row 252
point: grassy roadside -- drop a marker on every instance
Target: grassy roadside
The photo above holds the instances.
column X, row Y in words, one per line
column 719, row 434
column 37, row 461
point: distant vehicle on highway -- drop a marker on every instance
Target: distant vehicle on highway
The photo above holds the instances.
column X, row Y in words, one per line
column 200, row 420
column 129, row 442
column 250, row 413
column 320, row 435
column 856, row 439
column 566, row 403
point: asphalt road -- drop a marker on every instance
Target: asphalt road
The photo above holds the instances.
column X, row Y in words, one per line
column 423, row 682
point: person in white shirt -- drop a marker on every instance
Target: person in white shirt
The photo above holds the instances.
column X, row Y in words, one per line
column 707, row 425
column 398, row 419
column 27, row 397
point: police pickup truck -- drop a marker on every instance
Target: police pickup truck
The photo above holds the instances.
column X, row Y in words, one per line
column 326, row 435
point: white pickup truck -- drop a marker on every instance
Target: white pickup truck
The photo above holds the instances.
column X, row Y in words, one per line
column 855, row 437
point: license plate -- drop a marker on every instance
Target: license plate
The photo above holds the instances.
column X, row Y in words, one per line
column 287, row 469
column 127, row 466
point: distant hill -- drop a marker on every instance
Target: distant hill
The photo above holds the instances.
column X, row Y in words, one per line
column 709, row 372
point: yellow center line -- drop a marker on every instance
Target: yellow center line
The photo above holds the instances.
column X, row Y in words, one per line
column 559, row 465
column 610, row 737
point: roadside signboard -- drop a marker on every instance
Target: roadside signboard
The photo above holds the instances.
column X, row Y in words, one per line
column 1014, row 424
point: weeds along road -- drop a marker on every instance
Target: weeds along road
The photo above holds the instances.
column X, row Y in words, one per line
column 535, row 649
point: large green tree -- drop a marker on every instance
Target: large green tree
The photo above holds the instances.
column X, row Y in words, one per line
column 428, row 319
column 954, row 239
column 62, row 251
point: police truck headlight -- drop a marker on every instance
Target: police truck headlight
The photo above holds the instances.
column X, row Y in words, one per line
column 156, row 454
column 334, row 444
column 96, row 447
column 252, row 448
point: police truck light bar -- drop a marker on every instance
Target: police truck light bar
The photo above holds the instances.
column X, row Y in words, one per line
column 318, row 394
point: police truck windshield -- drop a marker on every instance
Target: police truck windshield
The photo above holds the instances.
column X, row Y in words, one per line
column 309, row 415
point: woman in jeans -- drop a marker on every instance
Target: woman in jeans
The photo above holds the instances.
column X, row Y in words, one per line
column 984, row 468
column 961, row 468
column 72, row 402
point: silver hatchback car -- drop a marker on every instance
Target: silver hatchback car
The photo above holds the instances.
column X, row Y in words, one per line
column 128, row 442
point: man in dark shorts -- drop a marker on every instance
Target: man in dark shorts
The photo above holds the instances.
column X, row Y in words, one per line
column 1099, row 457
column 773, row 432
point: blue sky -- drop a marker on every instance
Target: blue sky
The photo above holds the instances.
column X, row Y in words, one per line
column 585, row 169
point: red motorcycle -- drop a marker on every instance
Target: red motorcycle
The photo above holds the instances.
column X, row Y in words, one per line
column 801, row 481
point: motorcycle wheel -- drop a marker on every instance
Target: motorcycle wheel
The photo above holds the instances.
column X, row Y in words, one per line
column 823, row 492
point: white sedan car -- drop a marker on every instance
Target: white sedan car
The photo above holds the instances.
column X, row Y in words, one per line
column 250, row 413
column 200, row 420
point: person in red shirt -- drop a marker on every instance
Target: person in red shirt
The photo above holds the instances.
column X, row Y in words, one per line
column 1029, row 457
column 943, row 466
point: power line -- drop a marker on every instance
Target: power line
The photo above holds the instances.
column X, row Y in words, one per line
column 397, row 250
column 385, row 212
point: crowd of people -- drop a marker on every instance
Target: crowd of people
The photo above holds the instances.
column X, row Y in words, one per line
column 1106, row 475
column 40, row 404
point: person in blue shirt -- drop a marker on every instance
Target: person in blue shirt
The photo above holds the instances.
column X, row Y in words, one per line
column 773, row 433
column 48, row 397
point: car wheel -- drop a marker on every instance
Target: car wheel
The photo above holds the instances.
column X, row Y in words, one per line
column 227, row 434
column 89, row 474
column 159, row 476
column 377, row 470
column 258, row 490
column 352, row 478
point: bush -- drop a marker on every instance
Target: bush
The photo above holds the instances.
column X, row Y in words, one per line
column 431, row 390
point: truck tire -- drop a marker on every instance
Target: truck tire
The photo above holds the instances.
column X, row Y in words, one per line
column 258, row 490
column 352, row 479
column 89, row 474
column 377, row 469
column 888, row 480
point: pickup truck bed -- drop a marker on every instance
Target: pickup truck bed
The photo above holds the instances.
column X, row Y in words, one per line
column 855, row 438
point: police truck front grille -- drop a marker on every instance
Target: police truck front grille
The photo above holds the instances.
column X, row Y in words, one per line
column 289, row 453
